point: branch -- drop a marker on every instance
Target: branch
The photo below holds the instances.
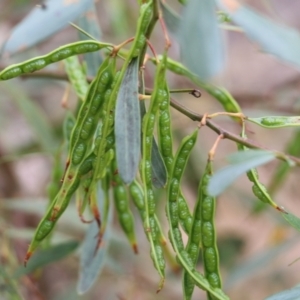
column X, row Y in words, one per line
column 249, row 143
column 231, row 136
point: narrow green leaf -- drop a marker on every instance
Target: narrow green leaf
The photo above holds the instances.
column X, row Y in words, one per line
column 293, row 148
column 200, row 39
column 159, row 171
column 128, row 124
column 34, row 116
column 47, row 256
column 292, row 220
column 243, row 162
column 89, row 23
column 41, row 23
column 91, row 262
column 158, row 167
column 277, row 39
column 91, row 265
column 242, row 156
column 292, row 294
column 276, row 121
column 172, row 19
column 9, row 286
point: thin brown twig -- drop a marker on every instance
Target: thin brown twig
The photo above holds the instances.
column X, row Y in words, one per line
column 229, row 135
column 249, row 143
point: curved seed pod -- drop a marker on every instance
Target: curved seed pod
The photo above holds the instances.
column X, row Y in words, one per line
column 293, row 148
column 125, row 215
column 276, row 121
column 146, row 12
column 58, row 54
column 137, row 195
column 85, row 127
column 100, row 164
column 146, row 172
column 77, row 152
column 128, row 124
column 203, row 229
column 183, row 256
column 220, row 94
column 76, row 76
column 105, row 142
column 88, row 188
column 165, row 140
column 259, row 190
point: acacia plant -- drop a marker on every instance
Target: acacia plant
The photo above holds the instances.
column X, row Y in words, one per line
column 118, row 143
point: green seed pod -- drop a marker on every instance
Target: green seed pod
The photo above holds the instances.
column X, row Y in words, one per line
column 259, row 190
column 77, row 153
column 184, row 257
column 44, row 230
column 146, row 165
column 58, row 54
column 276, row 121
column 144, row 20
column 203, row 233
column 76, row 76
column 124, row 213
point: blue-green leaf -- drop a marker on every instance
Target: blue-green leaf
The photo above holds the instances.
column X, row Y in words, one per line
column 242, row 162
column 274, row 38
column 159, row 171
column 41, row 23
column 200, row 39
column 92, row 260
column 172, row 19
column 292, row 220
column 292, row 294
column 47, row 256
column 89, row 23
column 128, row 124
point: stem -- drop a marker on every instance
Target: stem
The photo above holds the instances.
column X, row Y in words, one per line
column 117, row 48
column 187, row 112
column 212, row 151
column 195, row 92
column 225, row 113
column 231, row 136
column 148, row 33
